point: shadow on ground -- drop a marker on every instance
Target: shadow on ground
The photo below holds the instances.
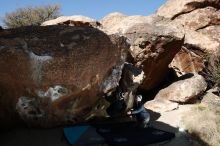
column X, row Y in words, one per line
column 54, row 137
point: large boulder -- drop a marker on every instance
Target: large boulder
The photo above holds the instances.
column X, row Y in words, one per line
column 161, row 105
column 110, row 22
column 76, row 20
column 154, row 43
column 152, row 48
column 174, row 8
column 56, row 75
column 201, row 20
column 198, row 40
column 211, row 97
column 212, row 31
column 186, row 61
column 120, row 23
column 185, row 90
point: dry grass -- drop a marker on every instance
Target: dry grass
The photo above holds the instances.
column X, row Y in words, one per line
column 212, row 70
column 203, row 123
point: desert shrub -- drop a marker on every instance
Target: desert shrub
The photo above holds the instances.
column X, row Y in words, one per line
column 31, row 15
column 203, row 123
column 212, row 70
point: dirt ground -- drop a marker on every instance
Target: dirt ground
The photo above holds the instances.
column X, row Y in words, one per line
column 168, row 121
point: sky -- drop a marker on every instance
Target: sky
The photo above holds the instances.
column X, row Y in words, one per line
column 95, row 9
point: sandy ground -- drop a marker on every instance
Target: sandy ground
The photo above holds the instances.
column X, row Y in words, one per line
column 171, row 121
column 168, row 121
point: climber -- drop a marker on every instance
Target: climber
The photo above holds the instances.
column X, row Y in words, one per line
column 117, row 106
column 139, row 111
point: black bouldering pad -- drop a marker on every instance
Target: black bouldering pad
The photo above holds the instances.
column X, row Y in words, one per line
column 117, row 135
column 132, row 136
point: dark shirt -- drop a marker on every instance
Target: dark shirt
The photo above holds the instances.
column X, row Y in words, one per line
column 116, row 108
column 141, row 113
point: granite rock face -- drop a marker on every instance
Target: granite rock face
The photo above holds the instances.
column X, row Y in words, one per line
column 154, row 42
column 120, row 23
column 152, row 49
column 211, row 97
column 74, row 68
column 174, row 8
column 185, row 90
column 201, row 21
column 56, row 75
column 161, row 105
column 76, row 20
column 186, row 61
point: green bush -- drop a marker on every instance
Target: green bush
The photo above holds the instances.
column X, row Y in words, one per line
column 31, row 16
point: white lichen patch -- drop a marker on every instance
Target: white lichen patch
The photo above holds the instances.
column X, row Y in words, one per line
column 53, row 93
column 139, row 78
column 112, row 80
column 28, row 108
column 136, row 75
column 37, row 63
